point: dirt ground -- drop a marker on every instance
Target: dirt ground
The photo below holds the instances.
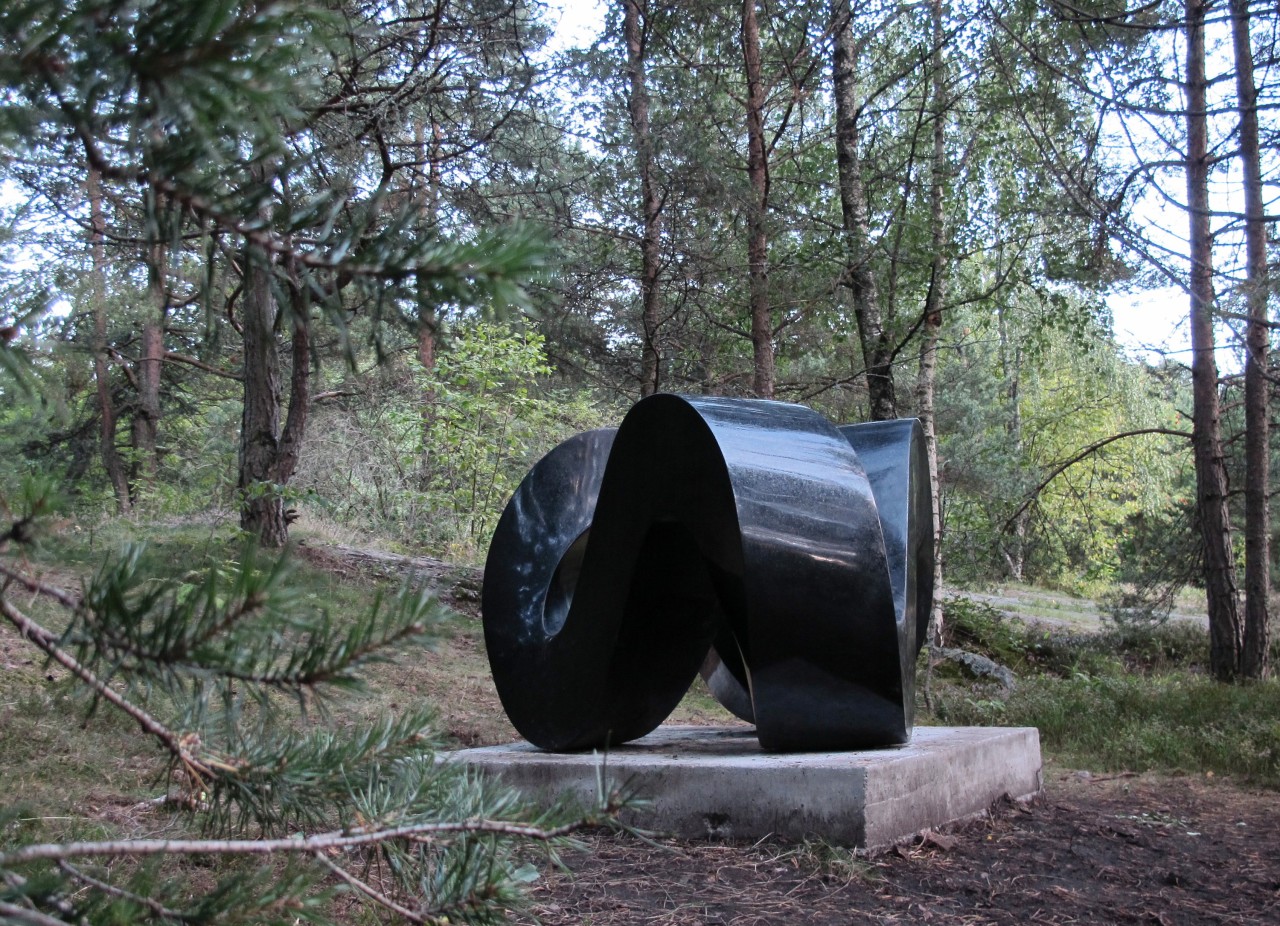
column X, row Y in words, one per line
column 1101, row 849
column 1091, row 850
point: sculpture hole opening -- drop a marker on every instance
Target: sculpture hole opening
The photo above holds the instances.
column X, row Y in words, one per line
column 563, row 582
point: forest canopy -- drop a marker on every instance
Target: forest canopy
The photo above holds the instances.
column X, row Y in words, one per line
column 362, row 263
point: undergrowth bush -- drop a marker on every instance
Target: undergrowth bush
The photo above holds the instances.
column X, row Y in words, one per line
column 1132, row 696
column 1173, row 722
column 980, row 628
column 1142, row 648
column 429, row 460
column 1034, row 648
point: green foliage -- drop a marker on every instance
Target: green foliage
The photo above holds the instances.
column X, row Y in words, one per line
column 240, row 172
column 1133, row 695
column 240, row 622
column 1146, row 648
column 1136, row 646
column 431, row 458
column 980, row 628
column 1175, row 722
column 230, row 672
column 1034, row 486
column 488, row 421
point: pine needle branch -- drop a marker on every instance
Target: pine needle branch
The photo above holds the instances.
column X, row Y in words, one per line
column 141, row 627
column 157, row 908
column 47, row 642
column 308, row 845
column 36, row 587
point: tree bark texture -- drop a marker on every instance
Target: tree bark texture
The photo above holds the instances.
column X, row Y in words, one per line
column 651, row 203
column 1211, row 472
column 146, row 415
column 428, row 322
column 934, row 300
column 1257, row 461
column 757, row 234
column 859, row 276
column 111, row 460
column 262, row 508
column 295, row 422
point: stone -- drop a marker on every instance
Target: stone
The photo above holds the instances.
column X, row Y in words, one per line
column 787, row 560
column 716, row 783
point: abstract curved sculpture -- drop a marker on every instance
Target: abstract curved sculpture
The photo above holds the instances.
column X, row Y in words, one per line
column 789, row 560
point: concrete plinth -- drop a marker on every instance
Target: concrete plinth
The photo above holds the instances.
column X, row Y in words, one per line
column 714, row 782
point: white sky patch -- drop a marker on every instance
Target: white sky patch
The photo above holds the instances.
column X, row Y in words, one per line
column 576, row 23
column 1153, row 323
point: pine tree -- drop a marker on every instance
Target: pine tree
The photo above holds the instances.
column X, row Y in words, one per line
column 217, row 672
column 264, row 143
column 257, row 137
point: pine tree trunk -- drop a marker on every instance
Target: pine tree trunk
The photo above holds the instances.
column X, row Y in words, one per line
column 934, row 301
column 146, row 417
column 1257, row 461
column 428, row 323
column 859, row 276
column 111, row 460
column 1211, row 473
column 262, row 508
column 295, row 423
column 650, row 356
column 757, row 235
column 424, row 296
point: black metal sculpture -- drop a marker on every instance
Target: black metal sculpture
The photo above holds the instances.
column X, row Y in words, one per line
column 788, row 560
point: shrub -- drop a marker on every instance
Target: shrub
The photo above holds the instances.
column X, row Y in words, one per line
column 1176, row 722
column 980, row 628
column 431, row 459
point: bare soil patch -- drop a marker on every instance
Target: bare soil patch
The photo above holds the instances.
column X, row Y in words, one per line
column 1110, row 850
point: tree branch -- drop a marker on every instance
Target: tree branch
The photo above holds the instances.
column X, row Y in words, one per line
column 157, row 908
column 16, row 914
column 201, row 365
column 1093, row 448
column 48, row 643
column 367, row 890
column 309, row 845
column 39, row 588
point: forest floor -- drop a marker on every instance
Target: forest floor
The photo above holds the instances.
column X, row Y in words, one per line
column 1097, row 847
column 1094, row 848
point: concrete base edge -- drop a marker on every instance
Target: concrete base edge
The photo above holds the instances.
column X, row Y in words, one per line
column 715, row 783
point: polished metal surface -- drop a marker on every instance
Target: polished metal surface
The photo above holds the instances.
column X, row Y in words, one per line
column 740, row 536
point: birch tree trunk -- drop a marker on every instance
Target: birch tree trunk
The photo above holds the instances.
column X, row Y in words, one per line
column 933, row 311
column 651, row 203
column 1011, row 370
